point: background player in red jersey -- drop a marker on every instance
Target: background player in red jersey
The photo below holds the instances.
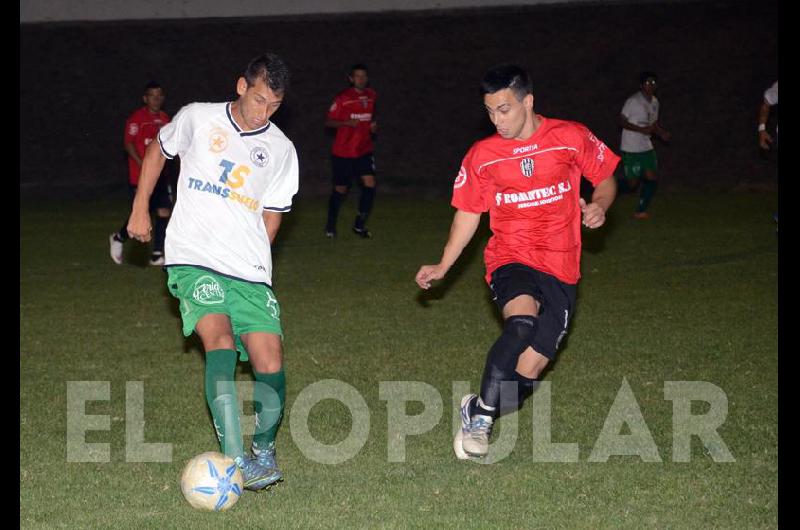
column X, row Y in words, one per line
column 352, row 114
column 527, row 176
column 140, row 129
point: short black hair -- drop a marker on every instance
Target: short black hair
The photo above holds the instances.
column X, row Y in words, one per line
column 507, row 76
column 269, row 68
column 151, row 85
column 357, row 66
column 644, row 76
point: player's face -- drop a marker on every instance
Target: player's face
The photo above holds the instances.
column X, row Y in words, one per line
column 649, row 87
column 511, row 117
column 359, row 78
column 153, row 99
column 256, row 104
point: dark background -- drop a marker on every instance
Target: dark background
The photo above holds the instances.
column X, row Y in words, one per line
column 80, row 81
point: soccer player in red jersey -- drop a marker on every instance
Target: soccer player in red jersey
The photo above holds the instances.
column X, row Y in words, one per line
column 140, row 129
column 527, row 176
column 352, row 114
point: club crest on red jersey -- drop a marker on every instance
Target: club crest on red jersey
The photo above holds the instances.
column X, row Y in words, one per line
column 526, row 166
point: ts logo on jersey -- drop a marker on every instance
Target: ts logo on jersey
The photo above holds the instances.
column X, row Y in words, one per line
column 461, row 178
column 526, row 166
column 133, row 129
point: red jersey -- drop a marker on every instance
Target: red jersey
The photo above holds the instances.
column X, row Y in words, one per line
column 141, row 129
column 350, row 104
column 531, row 190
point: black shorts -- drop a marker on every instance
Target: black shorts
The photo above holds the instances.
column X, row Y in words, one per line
column 161, row 197
column 556, row 301
column 345, row 170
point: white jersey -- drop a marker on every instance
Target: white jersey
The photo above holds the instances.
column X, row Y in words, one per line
column 638, row 111
column 228, row 177
column 771, row 94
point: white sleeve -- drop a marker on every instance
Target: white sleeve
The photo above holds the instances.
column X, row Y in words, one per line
column 279, row 193
column 771, row 94
column 629, row 109
column 176, row 136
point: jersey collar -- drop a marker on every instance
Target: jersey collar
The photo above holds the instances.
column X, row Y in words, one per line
column 239, row 129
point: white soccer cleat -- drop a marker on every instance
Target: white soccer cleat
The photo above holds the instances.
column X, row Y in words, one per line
column 157, row 259
column 115, row 246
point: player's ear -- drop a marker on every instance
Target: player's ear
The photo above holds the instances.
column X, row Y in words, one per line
column 528, row 101
column 241, row 86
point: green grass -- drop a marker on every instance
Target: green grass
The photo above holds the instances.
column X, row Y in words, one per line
column 690, row 295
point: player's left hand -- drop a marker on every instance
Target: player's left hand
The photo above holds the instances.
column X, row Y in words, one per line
column 594, row 216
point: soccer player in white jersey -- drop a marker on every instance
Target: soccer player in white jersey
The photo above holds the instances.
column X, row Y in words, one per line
column 770, row 100
column 639, row 121
column 238, row 175
column 764, row 138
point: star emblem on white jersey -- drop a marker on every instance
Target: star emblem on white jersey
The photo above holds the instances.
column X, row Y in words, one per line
column 259, row 156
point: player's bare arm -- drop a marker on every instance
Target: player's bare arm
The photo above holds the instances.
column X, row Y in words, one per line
column 764, row 138
column 662, row 132
column 272, row 222
column 461, row 231
column 625, row 124
column 131, row 150
column 594, row 213
column 139, row 226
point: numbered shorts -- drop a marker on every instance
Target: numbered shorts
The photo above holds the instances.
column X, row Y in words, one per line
column 345, row 170
column 635, row 164
column 556, row 302
column 251, row 307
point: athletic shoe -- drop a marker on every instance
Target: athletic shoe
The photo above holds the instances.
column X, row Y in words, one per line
column 362, row 232
column 116, row 248
column 472, row 439
column 256, row 477
column 266, row 459
column 157, row 259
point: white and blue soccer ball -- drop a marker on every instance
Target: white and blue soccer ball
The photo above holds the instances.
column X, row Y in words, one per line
column 211, row 482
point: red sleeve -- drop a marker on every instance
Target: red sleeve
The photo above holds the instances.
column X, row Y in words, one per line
column 472, row 190
column 596, row 160
column 131, row 128
column 336, row 109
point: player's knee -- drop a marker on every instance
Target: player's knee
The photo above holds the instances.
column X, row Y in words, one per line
column 532, row 369
column 269, row 363
column 341, row 190
column 522, row 327
column 368, row 180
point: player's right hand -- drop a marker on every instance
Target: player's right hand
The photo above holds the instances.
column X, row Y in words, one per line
column 764, row 139
column 139, row 226
column 428, row 273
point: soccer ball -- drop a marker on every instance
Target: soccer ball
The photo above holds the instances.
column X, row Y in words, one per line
column 211, row 482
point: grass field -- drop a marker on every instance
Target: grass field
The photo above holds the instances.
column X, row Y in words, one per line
column 690, row 295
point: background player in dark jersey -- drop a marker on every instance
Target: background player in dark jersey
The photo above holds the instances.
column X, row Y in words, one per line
column 527, row 176
column 352, row 114
column 140, row 129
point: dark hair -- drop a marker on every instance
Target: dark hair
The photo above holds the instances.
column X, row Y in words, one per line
column 151, row 85
column 644, row 76
column 507, row 76
column 357, row 66
column 269, row 68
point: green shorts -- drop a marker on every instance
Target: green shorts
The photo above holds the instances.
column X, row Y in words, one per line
column 250, row 306
column 636, row 164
